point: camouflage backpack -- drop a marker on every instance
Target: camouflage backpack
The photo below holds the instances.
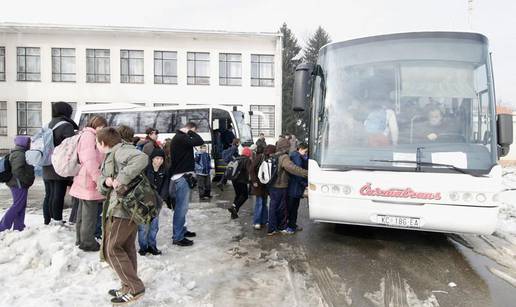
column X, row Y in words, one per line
column 138, row 198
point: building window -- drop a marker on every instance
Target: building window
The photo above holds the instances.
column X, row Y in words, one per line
column 198, row 68
column 2, row 63
column 29, row 117
column 165, row 67
column 3, row 117
column 63, row 64
column 131, row 66
column 263, row 124
column 262, row 70
column 98, row 66
column 230, row 69
column 28, row 64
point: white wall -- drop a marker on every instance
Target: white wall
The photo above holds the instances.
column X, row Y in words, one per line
column 47, row 91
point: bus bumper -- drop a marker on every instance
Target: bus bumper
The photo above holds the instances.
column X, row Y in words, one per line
column 431, row 217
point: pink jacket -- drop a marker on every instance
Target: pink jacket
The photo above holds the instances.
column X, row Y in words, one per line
column 85, row 183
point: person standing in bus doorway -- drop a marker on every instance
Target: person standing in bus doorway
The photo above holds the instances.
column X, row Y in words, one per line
column 55, row 185
column 182, row 171
column 279, row 187
column 150, row 142
column 228, row 155
column 296, row 188
column 202, row 171
column 84, row 186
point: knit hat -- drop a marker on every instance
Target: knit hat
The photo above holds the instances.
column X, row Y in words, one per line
column 22, row 141
column 157, row 152
column 247, row 152
column 62, row 109
column 283, row 145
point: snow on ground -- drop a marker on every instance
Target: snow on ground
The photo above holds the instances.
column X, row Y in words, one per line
column 501, row 245
column 41, row 267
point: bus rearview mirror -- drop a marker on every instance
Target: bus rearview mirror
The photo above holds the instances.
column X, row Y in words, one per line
column 301, row 94
column 504, row 127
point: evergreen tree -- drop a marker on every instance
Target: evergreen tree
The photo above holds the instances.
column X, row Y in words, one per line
column 318, row 39
column 291, row 50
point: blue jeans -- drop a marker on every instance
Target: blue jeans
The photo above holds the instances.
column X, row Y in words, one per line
column 278, row 209
column 182, row 201
column 147, row 234
column 261, row 212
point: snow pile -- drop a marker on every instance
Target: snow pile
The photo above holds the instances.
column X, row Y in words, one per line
column 507, row 215
column 41, row 267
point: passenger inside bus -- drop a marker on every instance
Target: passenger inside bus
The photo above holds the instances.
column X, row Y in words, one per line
column 381, row 125
column 437, row 128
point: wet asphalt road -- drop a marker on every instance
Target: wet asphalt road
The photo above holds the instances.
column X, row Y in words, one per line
column 367, row 266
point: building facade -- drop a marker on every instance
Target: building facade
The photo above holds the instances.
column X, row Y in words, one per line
column 42, row 64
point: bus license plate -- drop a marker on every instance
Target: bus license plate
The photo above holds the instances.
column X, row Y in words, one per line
column 400, row 221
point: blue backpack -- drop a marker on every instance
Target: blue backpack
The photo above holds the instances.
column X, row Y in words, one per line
column 376, row 122
column 42, row 146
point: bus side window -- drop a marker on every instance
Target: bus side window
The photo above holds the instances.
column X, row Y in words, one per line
column 129, row 119
column 165, row 121
column 147, row 120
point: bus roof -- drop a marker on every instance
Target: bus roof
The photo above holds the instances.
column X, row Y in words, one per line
column 129, row 107
column 437, row 34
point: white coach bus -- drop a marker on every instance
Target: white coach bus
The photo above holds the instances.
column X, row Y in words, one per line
column 211, row 120
column 404, row 132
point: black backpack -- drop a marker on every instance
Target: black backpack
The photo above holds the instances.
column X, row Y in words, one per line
column 234, row 168
column 5, row 169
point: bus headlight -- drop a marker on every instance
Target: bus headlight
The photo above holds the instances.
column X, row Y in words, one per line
column 346, row 189
column 325, row 189
column 454, row 196
column 467, row 197
column 481, row 197
column 335, row 189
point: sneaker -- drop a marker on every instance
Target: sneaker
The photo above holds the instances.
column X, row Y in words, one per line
column 127, row 298
column 190, row 234
column 115, row 292
column 272, row 233
column 257, row 226
column 233, row 211
column 142, row 252
column 95, row 248
column 220, row 186
column 288, row 231
column 184, row 242
column 154, row 251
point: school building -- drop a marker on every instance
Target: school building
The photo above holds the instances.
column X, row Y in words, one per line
column 42, row 64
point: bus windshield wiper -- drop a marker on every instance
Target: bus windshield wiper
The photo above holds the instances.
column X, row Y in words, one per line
column 421, row 163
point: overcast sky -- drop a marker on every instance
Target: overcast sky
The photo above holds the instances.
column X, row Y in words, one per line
column 343, row 19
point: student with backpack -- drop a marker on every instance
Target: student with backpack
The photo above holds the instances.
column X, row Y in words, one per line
column 240, row 180
column 84, row 186
column 202, row 171
column 157, row 175
column 296, row 188
column 21, row 179
column 55, row 186
column 229, row 154
column 150, row 142
column 122, row 165
column 258, row 189
column 278, row 187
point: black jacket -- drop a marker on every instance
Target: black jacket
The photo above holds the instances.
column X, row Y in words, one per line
column 245, row 169
column 181, row 152
column 60, row 133
column 22, row 172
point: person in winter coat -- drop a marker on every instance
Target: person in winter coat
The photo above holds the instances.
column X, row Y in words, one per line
column 22, row 179
column 296, row 188
column 279, row 190
column 259, row 190
column 229, row 154
column 150, row 142
column 261, row 140
column 55, row 185
column 241, row 183
column 182, row 169
column 202, row 171
column 119, row 231
column 84, row 186
column 157, row 175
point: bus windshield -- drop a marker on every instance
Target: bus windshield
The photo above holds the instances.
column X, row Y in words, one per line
column 426, row 99
column 244, row 131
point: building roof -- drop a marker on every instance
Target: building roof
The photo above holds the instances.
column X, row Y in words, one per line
column 14, row 27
